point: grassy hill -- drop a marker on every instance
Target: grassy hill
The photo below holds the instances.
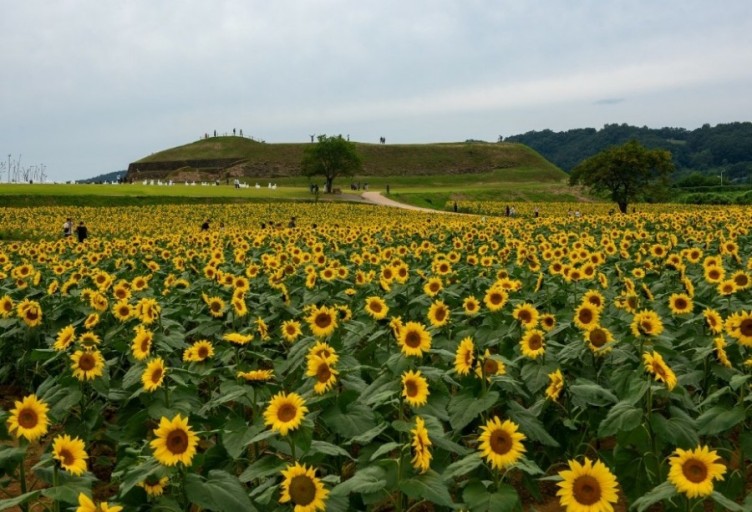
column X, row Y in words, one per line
column 230, row 157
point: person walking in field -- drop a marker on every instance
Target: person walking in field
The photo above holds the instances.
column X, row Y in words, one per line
column 68, row 227
column 81, row 232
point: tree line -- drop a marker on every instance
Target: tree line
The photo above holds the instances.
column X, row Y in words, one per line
column 705, row 150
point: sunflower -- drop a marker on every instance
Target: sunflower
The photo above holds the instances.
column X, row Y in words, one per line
column 741, row 279
column 237, row 338
column 680, row 304
column 65, row 337
column 175, row 441
column 739, row 327
column 256, row 375
column 532, row 343
column 199, row 351
column 555, row 385
column 91, row 321
column 122, row 310
column 148, row 310
column 141, row 345
column 29, row 418
column 719, row 346
column 489, row 366
column 464, row 357
column 495, row 298
column 154, row 485
column 438, row 314
column 216, row 306
column 501, row 443
column 87, row 364
column 714, row 274
column 262, row 329
column 714, row 320
column 588, row 487
column 414, row 339
column 291, row 330
column 325, row 375
column 376, row 308
column 239, row 306
column 526, row 314
column 303, row 489
column 415, row 388
column 321, row 349
column 547, row 322
column 70, row 453
column 6, row 306
column 471, row 306
column 646, row 323
column 586, row 316
column 433, row 286
column 85, row 504
column 655, row 365
column 595, row 299
column 421, row 446
column 30, row 312
column 285, row 412
column 154, row 374
column 322, row 321
column 692, row 471
column 598, row 339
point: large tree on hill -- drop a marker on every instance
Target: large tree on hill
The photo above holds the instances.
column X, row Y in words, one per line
column 625, row 171
column 330, row 157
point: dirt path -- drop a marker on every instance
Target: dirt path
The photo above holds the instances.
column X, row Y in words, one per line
column 377, row 198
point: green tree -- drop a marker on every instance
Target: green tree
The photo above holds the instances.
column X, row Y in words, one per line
column 625, row 171
column 330, row 157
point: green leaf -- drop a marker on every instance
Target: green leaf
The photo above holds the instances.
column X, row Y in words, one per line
column 329, row 449
column 10, row 457
column 369, row 435
column 622, row 417
column 428, row 486
column 358, row 419
column 478, row 499
column 366, row 480
column 221, row 492
column 237, row 435
column 18, row 500
column 726, row 503
column 738, row 381
column 385, row 448
column 679, row 430
column 465, row 407
column 719, row 419
column 262, row 468
column 138, row 473
column 530, row 425
column 590, row 393
column 662, row 492
column 462, row 466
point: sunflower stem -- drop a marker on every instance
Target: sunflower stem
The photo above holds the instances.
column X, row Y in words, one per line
column 292, row 448
column 54, row 484
column 22, row 476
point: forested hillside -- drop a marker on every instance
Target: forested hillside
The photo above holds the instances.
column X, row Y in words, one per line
column 708, row 149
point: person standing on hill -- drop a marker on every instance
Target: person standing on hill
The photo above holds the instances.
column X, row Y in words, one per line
column 81, row 232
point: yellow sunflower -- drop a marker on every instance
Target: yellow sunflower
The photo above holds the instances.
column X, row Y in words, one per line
column 489, row 366
column 30, row 312
column 421, row 446
column 175, row 441
column 646, row 323
column 85, row 504
column 414, row 339
column 532, row 343
column 216, row 306
column 680, row 304
column 154, row 374
column 142, row 341
column 433, row 286
column 526, row 314
column 438, row 314
column 595, row 299
column 199, row 351
column 291, row 330
column 739, row 327
column 122, row 310
column 464, row 357
column 71, row 454
column 303, row 489
column 471, row 306
column 65, row 337
column 322, row 321
column 6, row 306
column 586, row 316
column 91, row 321
column 495, row 299
column 237, row 338
column 256, row 375
column 588, row 487
column 29, row 418
column 501, row 443
column 321, row 349
column 285, row 412
column 376, row 308
column 598, row 339
column 655, row 365
column 415, row 388
column 719, row 347
column 548, row 322
column 154, row 485
column 692, row 471
column 87, row 364
column 555, row 385
column 321, row 369
column 714, row 320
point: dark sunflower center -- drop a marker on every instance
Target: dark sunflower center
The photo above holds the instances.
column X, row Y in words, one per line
column 32, row 314
column 86, row 362
column 470, row 306
column 203, row 352
column 535, row 342
column 746, row 327
column 501, row 442
column 586, row 490
column 286, row 413
column 376, row 307
column 741, row 280
column 597, row 338
column 323, row 373
column 323, row 320
column 440, row 314
column 695, row 471
column 28, row 418
column 145, row 343
column 495, row 298
column 177, row 441
column 156, row 375
column 586, row 316
column 680, row 304
column 659, row 370
column 434, row 287
column 525, row 316
column 216, row 306
column 646, row 326
column 302, row 490
column 411, row 388
column 412, row 339
column 66, row 457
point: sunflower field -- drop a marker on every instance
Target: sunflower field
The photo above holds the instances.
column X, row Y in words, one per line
column 373, row 359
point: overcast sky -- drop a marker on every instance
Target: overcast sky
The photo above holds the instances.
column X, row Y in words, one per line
column 89, row 86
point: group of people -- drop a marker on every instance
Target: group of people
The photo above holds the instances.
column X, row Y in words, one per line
column 82, row 232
